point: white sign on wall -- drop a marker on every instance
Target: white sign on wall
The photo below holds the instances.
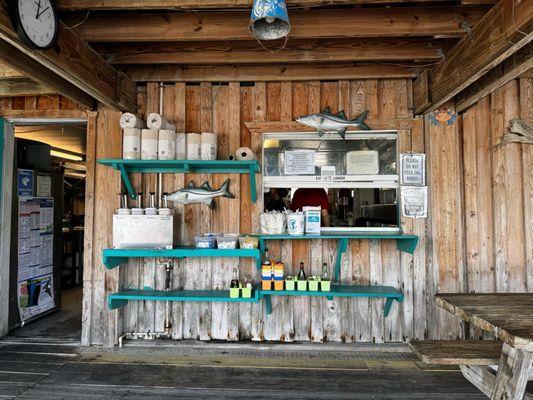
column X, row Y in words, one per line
column 300, row 162
column 414, row 201
column 413, row 169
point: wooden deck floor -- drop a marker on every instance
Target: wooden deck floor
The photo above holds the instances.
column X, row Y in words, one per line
column 51, row 371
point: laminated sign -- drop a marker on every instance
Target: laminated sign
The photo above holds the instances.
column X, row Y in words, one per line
column 413, row 169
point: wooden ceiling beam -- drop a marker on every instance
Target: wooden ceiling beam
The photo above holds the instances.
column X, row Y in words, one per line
column 10, row 87
column 75, row 62
column 506, row 28
column 82, row 5
column 262, row 73
column 513, row 67
column 311, row 24
column 215, row 53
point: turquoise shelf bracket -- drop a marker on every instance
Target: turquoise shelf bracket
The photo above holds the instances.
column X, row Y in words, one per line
column 387, row 307
column 262, row 250
column 126, row 180
column 268, row 304
column 253, row 187
column 408, row 244
column 111, row 262
column 343, row 245
column 116, row 303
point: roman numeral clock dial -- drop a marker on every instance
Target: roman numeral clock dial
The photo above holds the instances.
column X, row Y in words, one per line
column 35, row 22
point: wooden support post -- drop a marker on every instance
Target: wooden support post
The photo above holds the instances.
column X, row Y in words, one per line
column 513, row 373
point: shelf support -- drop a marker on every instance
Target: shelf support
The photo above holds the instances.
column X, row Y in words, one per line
column 388, row 305
column 126, row 180
column 253, row 188
column 268, row 304
column 342, row 246
column 407, row 245
column 116, row 303
column 113, row 262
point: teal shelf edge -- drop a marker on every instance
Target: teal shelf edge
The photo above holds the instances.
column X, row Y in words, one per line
column 405, row 243
column 120, row 299
column 112, row 258
column 126, row 167
column 117, row 300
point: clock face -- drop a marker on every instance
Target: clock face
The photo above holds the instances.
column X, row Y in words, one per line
column 38, row 20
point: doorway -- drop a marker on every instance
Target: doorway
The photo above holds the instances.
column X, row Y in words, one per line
column 47, row 217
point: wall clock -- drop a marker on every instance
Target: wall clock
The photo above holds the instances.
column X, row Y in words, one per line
column 35, row 22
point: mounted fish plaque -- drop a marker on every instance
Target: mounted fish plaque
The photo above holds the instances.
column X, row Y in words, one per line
column 204, row 194
column 269, row 20
column 325, row 121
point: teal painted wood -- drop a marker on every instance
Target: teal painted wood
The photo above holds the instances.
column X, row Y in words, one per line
column 114, row 257
column 183, row 166
column 120, row 299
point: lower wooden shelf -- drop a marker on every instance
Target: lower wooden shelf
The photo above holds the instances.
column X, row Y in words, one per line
column 390, row 293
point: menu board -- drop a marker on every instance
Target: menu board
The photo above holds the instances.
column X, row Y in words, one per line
column 35, row 256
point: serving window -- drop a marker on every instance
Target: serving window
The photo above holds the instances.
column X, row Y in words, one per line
column 356, row 178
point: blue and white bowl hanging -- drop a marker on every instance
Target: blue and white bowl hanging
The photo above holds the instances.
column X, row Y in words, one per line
column 269, row 20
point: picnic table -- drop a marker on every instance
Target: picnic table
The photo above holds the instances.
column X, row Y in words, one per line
column 508, row 317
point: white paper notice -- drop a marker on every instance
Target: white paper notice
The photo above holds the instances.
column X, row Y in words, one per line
column 414, row 201
column 413, row 169
column 300, row 162
column 44, row 185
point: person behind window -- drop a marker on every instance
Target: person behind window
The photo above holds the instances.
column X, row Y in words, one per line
column 275, row 201
column 312, row 197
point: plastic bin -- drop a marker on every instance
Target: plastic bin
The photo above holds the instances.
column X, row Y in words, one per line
column 290, row 284
column 248, row 242
column 266, row 285
column 205, row 242
column 234, row 293
column 313, row 285
column 301, row 285
column 246, row 292
column 227, row 242
column 278, row 285
column 325, row 286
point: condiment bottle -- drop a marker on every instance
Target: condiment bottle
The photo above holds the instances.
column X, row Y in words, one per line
column 235, row 281
column 325, row 274
column 301, row 273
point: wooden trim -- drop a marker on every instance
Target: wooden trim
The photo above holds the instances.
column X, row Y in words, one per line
column 46, row 114
column 297, row 51
column 353, row 23
column 76, row 63
column 501, row 32
column 381, row 124
column 22, row 87
column 517, row 64
column 264, row 73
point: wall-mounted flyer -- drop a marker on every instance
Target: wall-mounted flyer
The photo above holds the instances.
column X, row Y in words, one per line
column 300, row 162
column 414, row 201
column 35, row 256
column 413, row 169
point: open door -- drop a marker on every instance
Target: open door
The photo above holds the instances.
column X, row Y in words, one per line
column 6, row 183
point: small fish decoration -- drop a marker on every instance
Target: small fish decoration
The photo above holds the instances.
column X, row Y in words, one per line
column 325, row 121
column 442, row 117
column 203, row 194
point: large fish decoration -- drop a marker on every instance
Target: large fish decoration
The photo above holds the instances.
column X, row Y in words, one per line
column 203, row 194
column 325, row 121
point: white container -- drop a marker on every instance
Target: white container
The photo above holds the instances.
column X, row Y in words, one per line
column 131, row 144
column 149, row 138
column 181, row 146
column 137, row 211
column 208, row 146
column 144, row 232
column 193, row 146
column 296, row 223
column 150, row 211
column 123, row 211
column 312, row 220
column 272, row 223
column 227, row 241
column 166, row 211
column 166, row 146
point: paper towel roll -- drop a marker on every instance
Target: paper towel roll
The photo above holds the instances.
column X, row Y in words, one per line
column 231, row 157
column 181, row 146
column 157, row 121
column 149, row 139
column 166, row 146
column 244, row 153
column 131, row 144
column 193, row 146
column 208, row 146
column 129, row 120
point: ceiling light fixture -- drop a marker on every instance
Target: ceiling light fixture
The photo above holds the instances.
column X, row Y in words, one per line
column 65, row 155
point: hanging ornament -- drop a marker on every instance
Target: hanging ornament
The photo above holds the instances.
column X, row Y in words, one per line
column 269, row 20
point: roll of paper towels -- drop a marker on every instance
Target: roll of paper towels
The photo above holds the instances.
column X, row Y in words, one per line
column 181, row 146
column 231, row 157
column 193, row 146
column 157, row 121
column 166, row 146
column 131, row 144
column 208, row 146
column 244, row 154
column 129, row 120
column 149, row 138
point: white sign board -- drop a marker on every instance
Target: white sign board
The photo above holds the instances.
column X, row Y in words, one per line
column 414, row 201
column 300, row 162
column 413, row 169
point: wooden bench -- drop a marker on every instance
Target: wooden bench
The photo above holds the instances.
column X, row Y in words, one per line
column 474, row 358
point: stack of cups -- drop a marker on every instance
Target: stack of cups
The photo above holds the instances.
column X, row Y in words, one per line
column 278, row 269
column 266, row 277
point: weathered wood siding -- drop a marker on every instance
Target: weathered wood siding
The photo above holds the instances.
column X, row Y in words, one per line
column 479, row 236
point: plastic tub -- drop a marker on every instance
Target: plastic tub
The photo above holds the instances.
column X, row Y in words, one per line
column 266, row 285
column 278, row 285
column 248, row 242
column 313, row 285
column 234, row 293
column 301, row 285
column 204, row 242
column 246, row 292
column 227, row 242
column 325, row 286
column 290, row 284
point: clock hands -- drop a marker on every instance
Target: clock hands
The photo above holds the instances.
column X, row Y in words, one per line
column 38, row 8
column 42, row 12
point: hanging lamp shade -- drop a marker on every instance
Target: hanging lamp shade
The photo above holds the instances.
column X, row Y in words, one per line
column 269, row 20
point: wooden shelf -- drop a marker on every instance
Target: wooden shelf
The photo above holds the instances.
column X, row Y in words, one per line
column 120, row 299
column 114, row 257
column 406, row 243
column 183, row 166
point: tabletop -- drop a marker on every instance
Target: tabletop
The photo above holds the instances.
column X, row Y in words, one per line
column 505, row 315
